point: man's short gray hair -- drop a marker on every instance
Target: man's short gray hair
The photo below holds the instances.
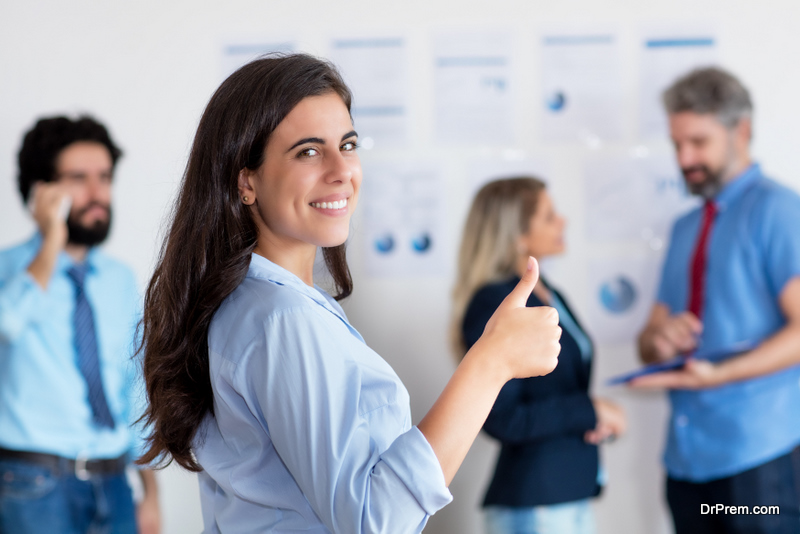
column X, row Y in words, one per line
column 710, row 90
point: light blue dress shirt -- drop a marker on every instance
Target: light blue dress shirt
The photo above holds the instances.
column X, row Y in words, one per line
column 754, row 251
column 568, row 322
column 585, row 346
column 311, row 428
column 44, row 404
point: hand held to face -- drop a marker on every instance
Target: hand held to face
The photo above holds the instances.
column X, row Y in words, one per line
column 523, row 341
column 50, row 205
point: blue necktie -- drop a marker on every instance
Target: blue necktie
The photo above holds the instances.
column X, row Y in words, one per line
column 86, row 346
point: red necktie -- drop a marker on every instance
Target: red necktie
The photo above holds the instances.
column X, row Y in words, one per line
column 699, row 260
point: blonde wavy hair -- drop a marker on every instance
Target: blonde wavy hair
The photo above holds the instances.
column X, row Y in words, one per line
column 499, row 216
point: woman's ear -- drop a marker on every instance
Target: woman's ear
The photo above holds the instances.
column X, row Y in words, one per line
column 246, row 191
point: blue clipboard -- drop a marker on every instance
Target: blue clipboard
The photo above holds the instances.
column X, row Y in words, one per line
column 677, row 363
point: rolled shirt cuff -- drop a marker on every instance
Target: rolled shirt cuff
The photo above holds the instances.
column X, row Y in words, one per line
column 414, row 462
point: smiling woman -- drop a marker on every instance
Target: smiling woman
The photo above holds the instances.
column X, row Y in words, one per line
column 255, row 377
column 307, row 188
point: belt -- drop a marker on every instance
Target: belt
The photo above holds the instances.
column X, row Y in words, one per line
column 83, row 468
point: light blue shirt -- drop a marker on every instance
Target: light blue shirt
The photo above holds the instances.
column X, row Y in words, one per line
column 311, row 428
column 584, row 345
column 568, row 322
column 44, row 404
column 754, row 251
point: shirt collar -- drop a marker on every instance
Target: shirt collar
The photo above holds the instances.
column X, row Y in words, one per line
column 736, row 187
column 261, row 267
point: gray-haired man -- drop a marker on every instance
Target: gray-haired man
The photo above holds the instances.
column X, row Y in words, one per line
column 729, row 295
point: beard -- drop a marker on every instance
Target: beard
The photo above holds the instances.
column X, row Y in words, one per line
column 91, row 235
column 711, row 185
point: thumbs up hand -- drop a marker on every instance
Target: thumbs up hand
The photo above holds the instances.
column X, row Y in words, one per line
column 523, row 341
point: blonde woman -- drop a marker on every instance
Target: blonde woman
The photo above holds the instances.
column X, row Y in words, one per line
column 549, row 427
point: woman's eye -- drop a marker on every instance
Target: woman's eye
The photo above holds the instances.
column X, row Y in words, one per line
column 349, row 146
column 307, row 152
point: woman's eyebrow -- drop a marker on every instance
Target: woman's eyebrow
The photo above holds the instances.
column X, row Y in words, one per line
column 351, row 133
column 306, row 140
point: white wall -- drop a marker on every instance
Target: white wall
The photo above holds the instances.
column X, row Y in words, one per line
column 147, row 68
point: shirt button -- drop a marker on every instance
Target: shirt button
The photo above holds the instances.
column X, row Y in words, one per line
column 682, row 420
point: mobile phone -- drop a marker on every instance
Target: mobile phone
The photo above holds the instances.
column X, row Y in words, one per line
column 63, row 209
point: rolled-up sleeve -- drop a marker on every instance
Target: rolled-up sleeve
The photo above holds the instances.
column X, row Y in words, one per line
column 333, row 420
column 21, row 302
column 781, row 239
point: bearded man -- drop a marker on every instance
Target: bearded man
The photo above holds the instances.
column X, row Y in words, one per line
column 70, row 391
column 729, row 302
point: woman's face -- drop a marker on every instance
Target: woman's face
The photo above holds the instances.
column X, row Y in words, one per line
column 545, row 235
column 307, row 187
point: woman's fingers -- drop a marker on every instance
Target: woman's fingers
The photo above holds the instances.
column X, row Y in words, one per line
column 518, row 298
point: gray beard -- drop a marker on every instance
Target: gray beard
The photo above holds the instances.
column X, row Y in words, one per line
column 708, row 188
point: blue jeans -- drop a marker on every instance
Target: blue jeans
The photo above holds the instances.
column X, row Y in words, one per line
column 33, row 499
column 566, row 518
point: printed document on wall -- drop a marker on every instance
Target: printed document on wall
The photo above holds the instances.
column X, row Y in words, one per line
column 473, row 84
column 633, row 197
column 622, row 293
column 241, row 50
column 403, row 221
column 666, row 55
column 376, row 70
column 582, row 91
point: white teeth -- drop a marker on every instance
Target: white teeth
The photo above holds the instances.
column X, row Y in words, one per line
column 337, row 205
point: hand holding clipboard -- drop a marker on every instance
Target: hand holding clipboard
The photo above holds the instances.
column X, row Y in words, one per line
column 704, row 356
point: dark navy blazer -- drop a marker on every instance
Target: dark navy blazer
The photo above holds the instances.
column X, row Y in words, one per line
column 539, row 421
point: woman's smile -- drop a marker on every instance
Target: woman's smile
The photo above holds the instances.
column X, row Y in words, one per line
column 333, row 205
column 307, row 188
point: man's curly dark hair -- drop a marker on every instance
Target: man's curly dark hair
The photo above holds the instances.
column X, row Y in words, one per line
column 45, row 141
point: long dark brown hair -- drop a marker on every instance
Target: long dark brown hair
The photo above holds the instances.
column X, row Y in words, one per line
column 207, row 249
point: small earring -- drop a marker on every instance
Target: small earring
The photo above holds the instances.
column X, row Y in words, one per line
column 244, row 199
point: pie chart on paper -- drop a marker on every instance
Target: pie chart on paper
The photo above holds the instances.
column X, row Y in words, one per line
column 384, row 244
column 618, row 294
column 557, row 101
column 421, row 243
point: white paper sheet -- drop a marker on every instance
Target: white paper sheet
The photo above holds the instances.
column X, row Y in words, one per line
column 666, row 55
column 236, row 53
column 582, row 88
column 633, row 197
column 622, row 294
column 403, row 224
column 473, row 85
column 376, row 70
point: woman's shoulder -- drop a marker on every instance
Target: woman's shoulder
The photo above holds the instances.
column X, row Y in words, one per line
column 264, row 298
column 485, row 301
column 245, row 314
column 494, row 291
